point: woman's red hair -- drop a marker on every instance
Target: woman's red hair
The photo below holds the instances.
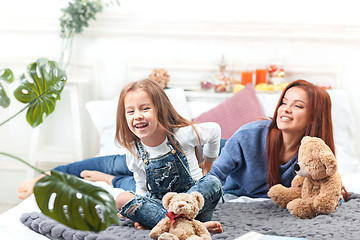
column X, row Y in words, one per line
column 320, row 125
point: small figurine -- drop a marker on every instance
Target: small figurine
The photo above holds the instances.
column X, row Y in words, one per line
column 222, row 81
column 160, row 76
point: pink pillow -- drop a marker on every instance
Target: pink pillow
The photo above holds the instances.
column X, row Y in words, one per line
column 242, row 108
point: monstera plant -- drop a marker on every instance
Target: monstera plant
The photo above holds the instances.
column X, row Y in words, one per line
column 60, row 196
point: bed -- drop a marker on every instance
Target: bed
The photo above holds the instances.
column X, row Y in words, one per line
column 239, row 216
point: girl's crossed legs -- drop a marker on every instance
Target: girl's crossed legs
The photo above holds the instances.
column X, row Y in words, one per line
column 147, row 212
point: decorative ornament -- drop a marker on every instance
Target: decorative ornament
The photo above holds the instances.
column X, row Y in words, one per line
column 280, row 73
column 272, row 69
column 222, row 80
column 277, row 77
column 160, row 76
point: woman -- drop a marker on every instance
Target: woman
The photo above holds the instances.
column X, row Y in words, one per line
column 262, row 153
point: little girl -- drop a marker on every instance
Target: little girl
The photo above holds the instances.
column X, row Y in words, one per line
column 161, row 154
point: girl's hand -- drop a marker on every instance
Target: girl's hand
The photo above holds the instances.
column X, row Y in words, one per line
column 206, row 165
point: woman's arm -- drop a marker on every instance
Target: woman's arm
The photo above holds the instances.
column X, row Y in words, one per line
column 230, row 158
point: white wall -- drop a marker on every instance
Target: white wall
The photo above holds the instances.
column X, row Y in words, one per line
column 320, row 37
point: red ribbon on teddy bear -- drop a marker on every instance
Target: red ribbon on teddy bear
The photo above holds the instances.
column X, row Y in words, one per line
column 173, row 217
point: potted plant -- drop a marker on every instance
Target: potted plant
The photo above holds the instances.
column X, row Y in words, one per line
column 75, row 18
column 60, row 196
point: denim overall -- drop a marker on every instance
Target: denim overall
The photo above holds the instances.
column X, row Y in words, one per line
column 169, row 173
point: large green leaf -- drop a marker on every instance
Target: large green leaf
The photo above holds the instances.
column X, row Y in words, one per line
column 8, row 76
column 41, row 93
column 75, row 202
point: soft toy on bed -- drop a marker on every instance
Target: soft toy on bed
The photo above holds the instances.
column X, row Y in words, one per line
column 316, row 189
column 180, row 222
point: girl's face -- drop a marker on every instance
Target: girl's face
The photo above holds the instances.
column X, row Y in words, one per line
column 141, row 118
column 292, row 115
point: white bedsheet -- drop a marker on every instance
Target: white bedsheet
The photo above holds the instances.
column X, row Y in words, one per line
column 10, row 226
column 12, row 229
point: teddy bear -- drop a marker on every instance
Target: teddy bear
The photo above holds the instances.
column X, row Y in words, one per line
column 180, row 223
column 316, row 189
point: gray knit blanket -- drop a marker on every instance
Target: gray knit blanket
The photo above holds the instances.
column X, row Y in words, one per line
column 236, row 218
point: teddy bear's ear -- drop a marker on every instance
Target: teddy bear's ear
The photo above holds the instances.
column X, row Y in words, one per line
column 306, row 139
column 167, row 198
column 328, row 159
column 199, row 198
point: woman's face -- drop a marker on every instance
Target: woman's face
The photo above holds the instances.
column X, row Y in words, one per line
column 292, row 115
column 141, row 117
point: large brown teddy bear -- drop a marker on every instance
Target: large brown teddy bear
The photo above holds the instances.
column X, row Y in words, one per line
column 180, row 223
column 316, row 189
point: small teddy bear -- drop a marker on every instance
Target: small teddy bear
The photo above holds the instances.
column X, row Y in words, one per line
column 316, row 189
column 180, row 223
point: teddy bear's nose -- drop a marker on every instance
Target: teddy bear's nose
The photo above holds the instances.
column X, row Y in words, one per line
column 297, row 167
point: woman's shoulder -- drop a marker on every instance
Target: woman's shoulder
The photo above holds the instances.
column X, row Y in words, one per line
column 251, row 132
column 252, row 129
column 260, row 124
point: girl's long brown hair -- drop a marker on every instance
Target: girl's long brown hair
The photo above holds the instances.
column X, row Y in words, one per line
column 167, row 116
column 320, row 125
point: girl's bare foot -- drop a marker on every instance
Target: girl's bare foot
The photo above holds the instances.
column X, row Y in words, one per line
column 138, row 226
column 97, row 176
column 213, row 226
column 26, row 188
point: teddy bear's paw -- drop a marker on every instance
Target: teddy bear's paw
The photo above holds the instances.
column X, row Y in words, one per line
column 277, row 194
column 325, row 205
column 301, row 209
column 168, row 236
column 275, row 191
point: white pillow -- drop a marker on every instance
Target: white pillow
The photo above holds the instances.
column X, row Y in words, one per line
column 344, row 132
column 103, row 115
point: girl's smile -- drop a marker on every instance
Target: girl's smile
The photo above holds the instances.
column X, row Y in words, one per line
column 141, row 117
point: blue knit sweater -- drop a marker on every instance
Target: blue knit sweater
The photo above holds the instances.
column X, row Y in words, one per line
column 242, row 164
